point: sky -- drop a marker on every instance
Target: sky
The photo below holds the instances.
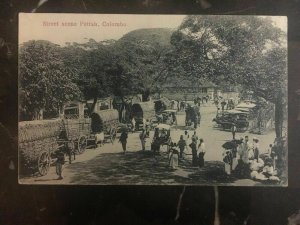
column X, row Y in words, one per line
column 62, row 28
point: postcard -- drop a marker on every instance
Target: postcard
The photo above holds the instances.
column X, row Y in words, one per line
column 115, row 99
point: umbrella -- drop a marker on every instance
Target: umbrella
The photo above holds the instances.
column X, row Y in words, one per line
column 246, row 105
column 231, row 144
column 163, row 126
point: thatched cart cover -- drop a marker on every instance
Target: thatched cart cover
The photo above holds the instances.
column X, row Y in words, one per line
column 105, row 120
column 75, row 128
column 35, row 138
column 39, row 129
column 143, row 110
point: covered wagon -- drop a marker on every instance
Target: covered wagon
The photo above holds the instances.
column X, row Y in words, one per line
column 161, row 104
column 106, row 121
column 76, row 131
column 142, row 111
column 37, row 143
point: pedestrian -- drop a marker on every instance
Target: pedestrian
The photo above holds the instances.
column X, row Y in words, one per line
column 273, row 155
column 196, row 121
column 133, row 124
column 163, row 135
column 227, row 159
column 233, row 130
column 123, row 139
column 223, row 103
column 155, row 145
column 199, row 118
column 174, row 118
column 147, row 128
column 143, row 136
column 195, row 136
column 193, row 146
column 60, row 161
column 217, row 103
column 156, row 133
column 182, row 145
column 245, row 152
column 255, row 149
column 186, row 136
column 201, row 152
column 269, row 150
column 144, row 123
column 173, row 160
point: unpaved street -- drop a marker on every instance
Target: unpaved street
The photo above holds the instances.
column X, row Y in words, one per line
column 108, row 165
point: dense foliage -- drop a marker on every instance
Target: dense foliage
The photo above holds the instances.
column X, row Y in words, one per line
column 248, row 51
column 46, row 82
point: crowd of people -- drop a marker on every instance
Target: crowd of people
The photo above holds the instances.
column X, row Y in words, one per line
column 245, row 160
column 177, row 150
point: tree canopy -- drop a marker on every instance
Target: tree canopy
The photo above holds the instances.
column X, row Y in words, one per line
column 244, row 50
column 46, row 83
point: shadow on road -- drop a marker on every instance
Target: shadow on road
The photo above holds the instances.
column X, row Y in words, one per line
column 143, row 167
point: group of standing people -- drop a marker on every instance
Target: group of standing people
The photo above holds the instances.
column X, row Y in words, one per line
column 224, row 104
column 242, row 156
column 198, row 150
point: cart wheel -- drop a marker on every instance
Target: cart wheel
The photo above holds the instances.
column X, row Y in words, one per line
column 44, row 163
column 81, row 145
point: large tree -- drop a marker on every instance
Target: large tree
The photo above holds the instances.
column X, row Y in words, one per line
column 98, row 69
column 243, row 50
column 45, row 81
column 147, row 58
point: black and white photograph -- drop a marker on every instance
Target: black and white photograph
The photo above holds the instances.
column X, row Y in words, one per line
column 123, row 99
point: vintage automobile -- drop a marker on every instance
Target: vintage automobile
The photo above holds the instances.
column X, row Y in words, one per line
column 226, row 119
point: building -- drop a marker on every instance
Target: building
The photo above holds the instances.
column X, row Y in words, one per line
column 79, row 109
column 190, row 92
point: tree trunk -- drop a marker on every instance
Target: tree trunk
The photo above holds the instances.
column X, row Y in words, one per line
column 145, row 96
column 92, row 107
column 279, row 116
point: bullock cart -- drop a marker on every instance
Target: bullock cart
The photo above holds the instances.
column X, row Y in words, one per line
column 38, row 143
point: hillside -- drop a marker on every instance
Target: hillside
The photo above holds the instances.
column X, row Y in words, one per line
column 151, row 35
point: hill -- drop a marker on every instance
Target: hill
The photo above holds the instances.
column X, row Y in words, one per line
column 161, row 36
